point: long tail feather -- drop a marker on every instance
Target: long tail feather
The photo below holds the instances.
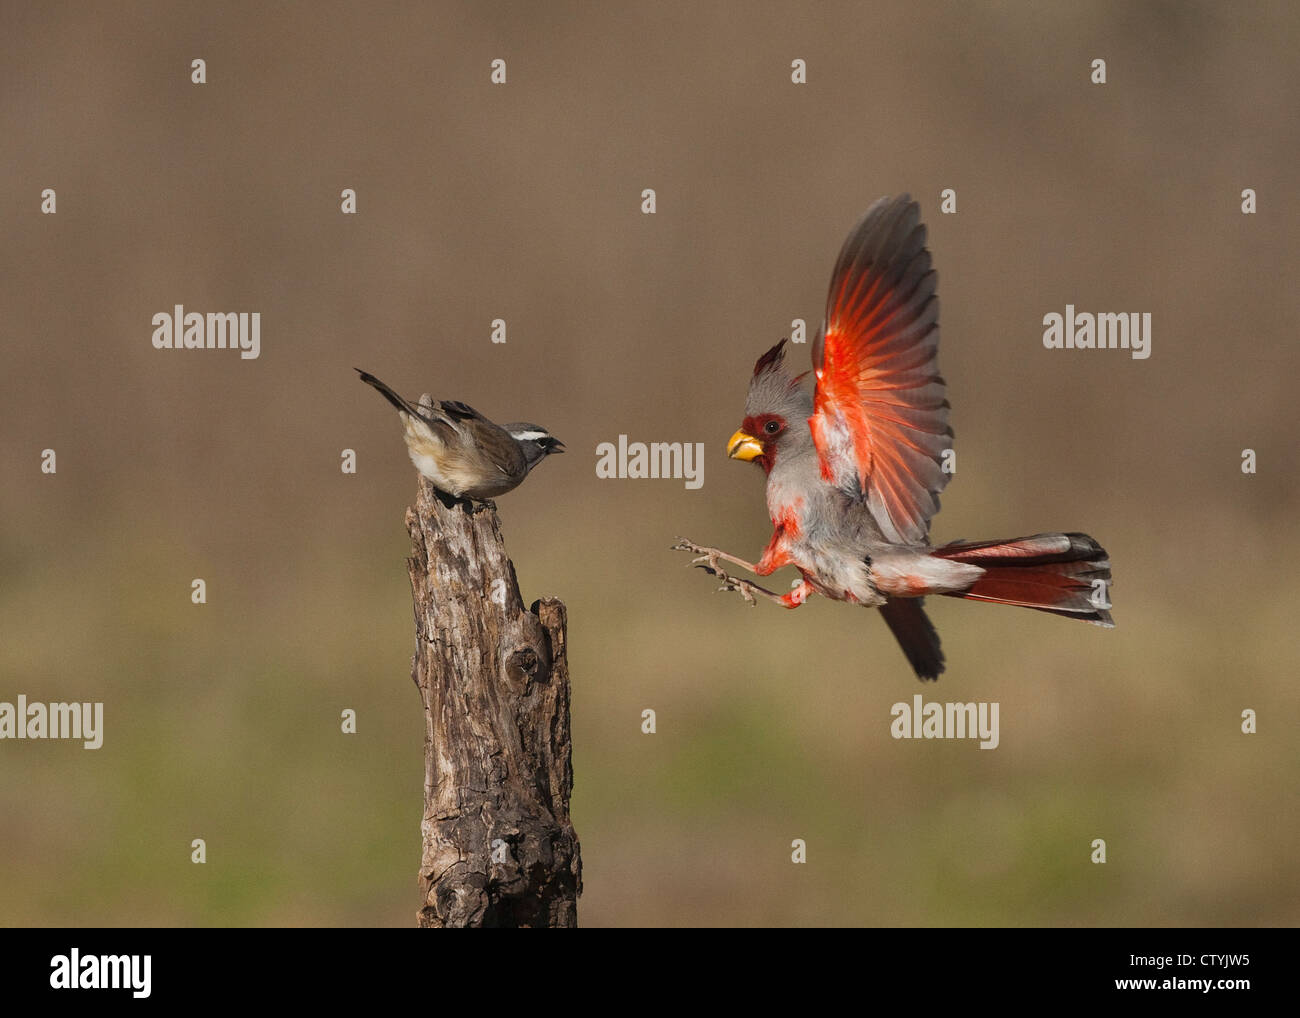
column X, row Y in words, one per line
column 1064, row 574
column 388, row 393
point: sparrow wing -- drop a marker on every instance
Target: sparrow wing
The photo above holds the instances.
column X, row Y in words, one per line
column 493, row 443
column 459, row 411
column 500, row 449
column 880, row 416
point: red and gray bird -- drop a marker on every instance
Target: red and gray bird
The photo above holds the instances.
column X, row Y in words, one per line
column 854, row 469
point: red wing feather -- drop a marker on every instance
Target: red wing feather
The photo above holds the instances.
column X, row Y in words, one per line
column 880, row 416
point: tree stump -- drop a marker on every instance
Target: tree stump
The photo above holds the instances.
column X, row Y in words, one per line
column 499, row 848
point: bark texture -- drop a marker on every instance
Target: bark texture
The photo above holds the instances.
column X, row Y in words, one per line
column 499, row 848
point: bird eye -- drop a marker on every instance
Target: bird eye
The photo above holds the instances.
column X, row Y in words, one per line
column 772, row 427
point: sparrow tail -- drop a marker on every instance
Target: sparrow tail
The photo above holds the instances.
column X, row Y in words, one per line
column 388, row 393
column 1065, row 574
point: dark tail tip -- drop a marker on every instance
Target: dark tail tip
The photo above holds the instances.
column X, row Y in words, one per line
column 384, row 390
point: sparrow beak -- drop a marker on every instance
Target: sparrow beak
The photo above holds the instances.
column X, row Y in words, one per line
column 556, row 446
column 743, row 446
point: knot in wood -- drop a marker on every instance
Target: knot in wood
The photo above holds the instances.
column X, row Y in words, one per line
column 523, row 666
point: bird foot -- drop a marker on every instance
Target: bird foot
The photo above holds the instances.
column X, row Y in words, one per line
column 744, row 587
column 707, row 559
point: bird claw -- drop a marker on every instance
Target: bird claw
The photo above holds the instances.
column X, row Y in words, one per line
column 744, row 587
column 707, row 557
column 729, row 582
column 709, row 563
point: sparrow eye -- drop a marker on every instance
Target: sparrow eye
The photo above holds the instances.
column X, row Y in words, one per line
column 772, row 427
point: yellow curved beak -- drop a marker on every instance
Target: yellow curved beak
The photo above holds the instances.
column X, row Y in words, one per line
column 743, row 446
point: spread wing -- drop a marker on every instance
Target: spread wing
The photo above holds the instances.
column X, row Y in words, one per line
column 880, row 416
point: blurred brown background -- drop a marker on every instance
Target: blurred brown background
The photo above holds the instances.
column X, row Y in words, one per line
column 522, row 202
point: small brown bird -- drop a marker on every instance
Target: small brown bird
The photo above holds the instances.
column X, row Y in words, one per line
column 854, row 470
column 463, row 453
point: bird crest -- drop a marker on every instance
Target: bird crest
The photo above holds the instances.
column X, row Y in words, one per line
column 772, row 361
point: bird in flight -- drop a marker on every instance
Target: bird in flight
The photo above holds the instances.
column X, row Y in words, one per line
column 854, row 469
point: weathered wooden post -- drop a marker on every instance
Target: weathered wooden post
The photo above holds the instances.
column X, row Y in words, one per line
column 499, row 848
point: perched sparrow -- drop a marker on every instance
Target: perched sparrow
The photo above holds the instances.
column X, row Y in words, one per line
column 854, row 470
column 463, row 453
